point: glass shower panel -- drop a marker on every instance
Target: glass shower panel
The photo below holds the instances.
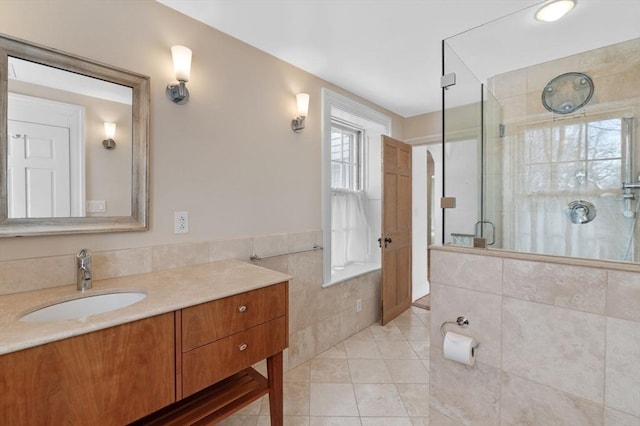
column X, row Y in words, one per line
column 557, row 168
column 462, row 151
column 492, row 207
column 549, row 125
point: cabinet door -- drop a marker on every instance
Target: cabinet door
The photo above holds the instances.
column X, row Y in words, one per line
column 108, row 377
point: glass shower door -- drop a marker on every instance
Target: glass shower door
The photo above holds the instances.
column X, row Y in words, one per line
column 462, row 152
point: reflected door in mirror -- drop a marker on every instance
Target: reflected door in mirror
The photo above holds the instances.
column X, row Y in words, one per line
column 48, row 95
column 38, row 171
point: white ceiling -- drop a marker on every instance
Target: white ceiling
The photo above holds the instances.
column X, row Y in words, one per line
column 389, row 51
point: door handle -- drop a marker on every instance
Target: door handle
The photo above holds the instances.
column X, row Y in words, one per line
column 387, row 241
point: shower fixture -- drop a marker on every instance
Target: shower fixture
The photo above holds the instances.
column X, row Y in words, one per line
column 567, row 92
column 580, row 212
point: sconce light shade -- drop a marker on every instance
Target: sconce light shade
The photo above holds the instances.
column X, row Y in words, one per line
column 179, row 93
column 303, row 104
column 110, row 134
column 181, row 62
column 297, row 124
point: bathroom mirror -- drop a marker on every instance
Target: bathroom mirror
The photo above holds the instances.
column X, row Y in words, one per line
column 56, row 175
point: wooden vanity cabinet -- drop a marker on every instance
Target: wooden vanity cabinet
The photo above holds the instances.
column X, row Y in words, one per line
column 216, row 344
column 107, row 377
column 188, row 367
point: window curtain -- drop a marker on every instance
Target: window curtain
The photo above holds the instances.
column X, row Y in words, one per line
column 350, row 228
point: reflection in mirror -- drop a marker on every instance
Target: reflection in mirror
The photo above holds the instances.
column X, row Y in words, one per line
column 56, row 175
column 556, row 135
column 57, row 166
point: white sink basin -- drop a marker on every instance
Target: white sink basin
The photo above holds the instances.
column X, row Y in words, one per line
column 84, row 306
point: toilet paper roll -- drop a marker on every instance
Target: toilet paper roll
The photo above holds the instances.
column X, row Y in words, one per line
column 459, row 348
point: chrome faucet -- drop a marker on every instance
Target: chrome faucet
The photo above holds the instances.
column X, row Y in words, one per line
column 83, row 274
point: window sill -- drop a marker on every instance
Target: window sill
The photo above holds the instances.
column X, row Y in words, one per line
column 351, row 271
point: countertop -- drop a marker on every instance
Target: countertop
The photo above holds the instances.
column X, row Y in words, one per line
column 166, row 291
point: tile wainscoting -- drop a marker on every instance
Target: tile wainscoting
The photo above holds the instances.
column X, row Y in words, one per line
column 559, row 341
column 319, row 317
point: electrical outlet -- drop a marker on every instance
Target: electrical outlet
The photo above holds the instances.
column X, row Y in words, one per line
column 181, row 222
column 358, row 305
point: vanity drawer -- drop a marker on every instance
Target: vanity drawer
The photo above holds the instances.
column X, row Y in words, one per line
column 208, row 322
column 211, row 363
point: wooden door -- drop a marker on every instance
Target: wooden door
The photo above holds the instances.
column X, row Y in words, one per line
column 38, row 170
column 396, row 228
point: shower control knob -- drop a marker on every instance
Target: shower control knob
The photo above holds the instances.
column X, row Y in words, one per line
column 580, row 212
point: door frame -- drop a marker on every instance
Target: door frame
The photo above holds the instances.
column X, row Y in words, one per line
column 52, row 113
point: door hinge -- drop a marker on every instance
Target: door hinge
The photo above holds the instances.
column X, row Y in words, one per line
column 448, row 80
column 448, row 202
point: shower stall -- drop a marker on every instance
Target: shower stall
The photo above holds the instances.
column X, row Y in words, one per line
column 541, row 126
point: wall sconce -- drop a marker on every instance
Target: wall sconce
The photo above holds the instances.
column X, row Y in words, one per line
column 178, row 93
column 109, row 133
column 297, row 124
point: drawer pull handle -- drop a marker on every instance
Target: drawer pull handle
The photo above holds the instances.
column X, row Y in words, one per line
column 242, row 308
column 242, row 347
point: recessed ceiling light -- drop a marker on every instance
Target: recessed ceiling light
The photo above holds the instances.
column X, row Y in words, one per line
column 554, row 10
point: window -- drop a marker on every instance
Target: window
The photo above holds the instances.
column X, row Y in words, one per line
column 584, row 156
column 346, row 157
column 351, row 186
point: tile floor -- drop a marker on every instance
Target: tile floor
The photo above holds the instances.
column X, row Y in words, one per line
column 378, row 377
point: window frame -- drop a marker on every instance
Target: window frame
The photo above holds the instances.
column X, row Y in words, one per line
column 356, row 149
column 333, row 101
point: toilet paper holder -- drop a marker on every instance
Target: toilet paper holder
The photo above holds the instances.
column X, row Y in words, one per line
column 461, row 321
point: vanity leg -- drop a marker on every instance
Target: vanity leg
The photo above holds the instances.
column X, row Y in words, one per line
column 275, row 373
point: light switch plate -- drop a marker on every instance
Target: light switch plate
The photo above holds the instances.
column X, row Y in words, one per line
column 96, row 206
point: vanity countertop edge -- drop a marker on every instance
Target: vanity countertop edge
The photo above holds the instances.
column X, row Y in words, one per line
column 166, row 291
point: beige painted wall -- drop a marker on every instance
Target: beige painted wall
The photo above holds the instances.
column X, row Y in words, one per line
column 423, row 128
column 228, row 157
column 462, row 123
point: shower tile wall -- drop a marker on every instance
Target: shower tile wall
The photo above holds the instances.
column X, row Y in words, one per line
column 528, row 223
column 559, row 342
column 319, row 318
